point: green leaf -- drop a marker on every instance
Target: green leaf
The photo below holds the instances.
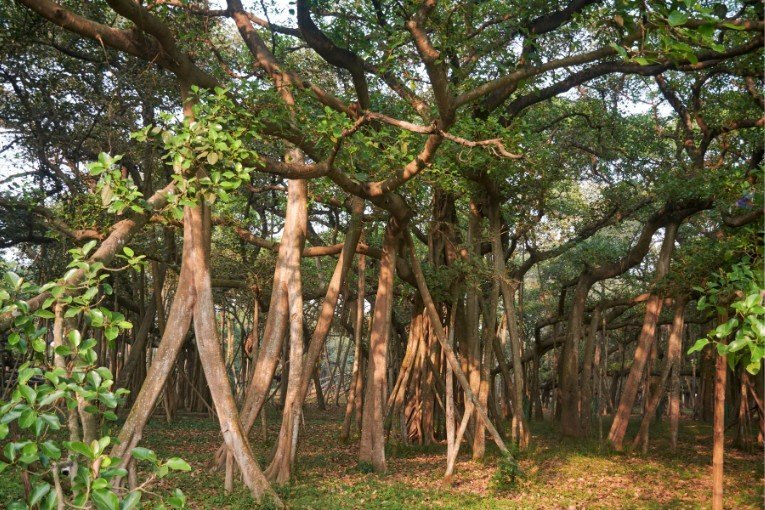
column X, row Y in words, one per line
column 699, row 345
column 111, row 332
column 108, row 399
column 144, row 454
column 81, row 448
column 13, row 279
column 39, row 345
column 178, row 464
column 38, row 492
column 28, row 417
column 105, row 500
column 177, row 500
column 131, row 501
column 212, row 158
column 50, row 449
column 677, row 18
column 128, row 251
column 28, row 392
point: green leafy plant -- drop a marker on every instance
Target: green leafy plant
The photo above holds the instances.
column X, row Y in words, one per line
column 62, row 378
column 738, row 294
column 508, row 471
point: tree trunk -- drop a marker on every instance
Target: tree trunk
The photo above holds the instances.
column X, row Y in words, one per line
column 276, row 324
column 587, row 365
column 197, row 219
column 718, row 428
column 569, row 363
column 675, row 356
column 674, row 345
column 646, row 340
column 372, row 446
column 300, row 374
column 520, row 426
column 354, row 392
column 451, row 358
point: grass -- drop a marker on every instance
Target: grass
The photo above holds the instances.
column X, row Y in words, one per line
column 558, row 472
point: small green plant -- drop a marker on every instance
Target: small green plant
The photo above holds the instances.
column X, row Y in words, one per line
column 365, row 467
column 508, row 471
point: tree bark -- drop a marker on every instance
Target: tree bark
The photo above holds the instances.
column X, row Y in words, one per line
column 372, row 446
column 197, row 220
column 646, row 340
column 519, row 424
column 288, row 434
column 354, row 392
column 718, row 427
column 674, row 345
column 296, row 221
column 587, row 374
column 451, row 358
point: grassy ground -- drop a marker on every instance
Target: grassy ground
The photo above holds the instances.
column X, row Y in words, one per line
column 559, row 473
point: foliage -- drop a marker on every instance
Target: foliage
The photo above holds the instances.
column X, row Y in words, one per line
column 737, row 293
column 67, row 472
column 508, row 470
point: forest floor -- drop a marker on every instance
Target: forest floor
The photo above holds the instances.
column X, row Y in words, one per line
column 558, row 472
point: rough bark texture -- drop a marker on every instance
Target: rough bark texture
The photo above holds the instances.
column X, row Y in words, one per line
column 451, row 358
column 718, row 429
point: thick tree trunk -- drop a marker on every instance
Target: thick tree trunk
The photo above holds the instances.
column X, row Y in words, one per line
column 299, row 378
column 197, row 219
column 275, row 327
column 372, row 446
column 569, row 363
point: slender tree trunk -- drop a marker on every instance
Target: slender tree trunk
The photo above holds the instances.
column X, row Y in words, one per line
column 451, row 446
column 675, row 356
column 275, row 327
column 587, row 365
column 281, row 465
column 520, row 426
column 451, row 358
column 674, row 344
column 646, row 340
column 301, row 371
column 341, row 378
column 354, row 391
column 59, row 361
column 718, row 427
column 178, row 322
